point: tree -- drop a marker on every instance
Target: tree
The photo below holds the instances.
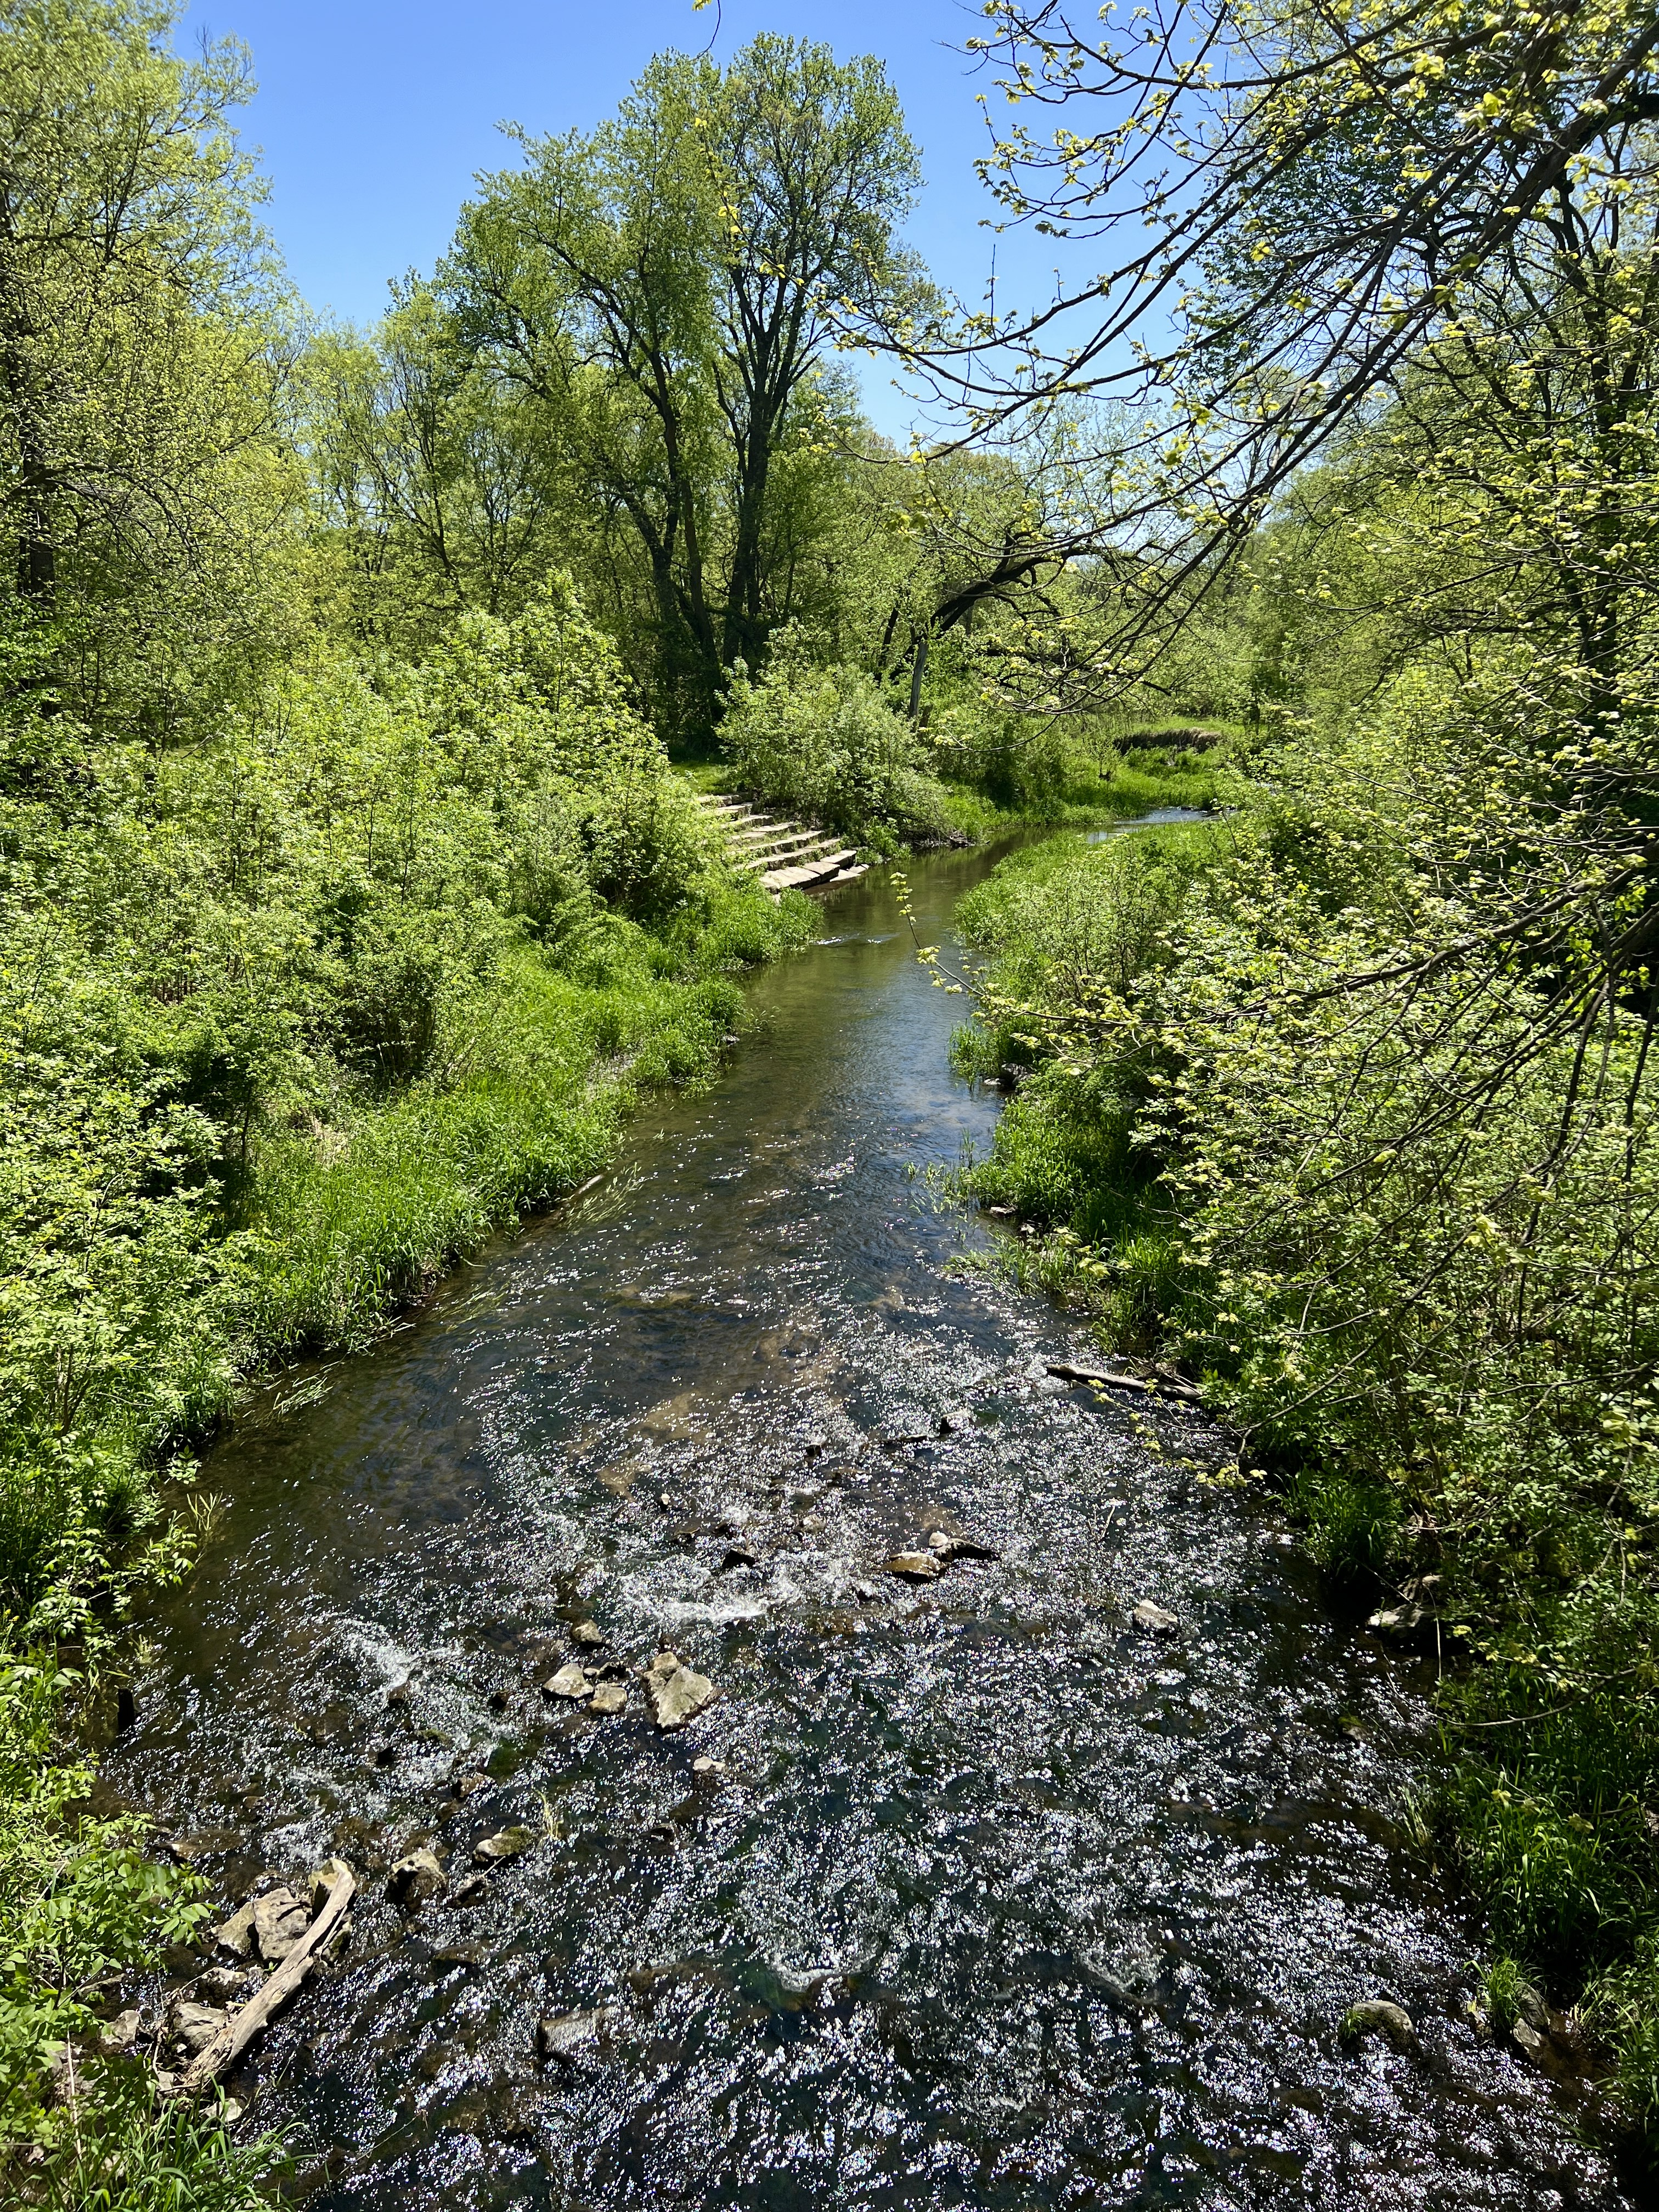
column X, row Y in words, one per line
column 1294, row 202
column 141, row 366
column 669, row 290
column 434, row 475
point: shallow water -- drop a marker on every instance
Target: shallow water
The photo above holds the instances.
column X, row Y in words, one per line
column 997, row 1903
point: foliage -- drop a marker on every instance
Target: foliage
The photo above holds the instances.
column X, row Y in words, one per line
column 143, row 366
column 653, row 304
column 826, row 744
column 1283, row 209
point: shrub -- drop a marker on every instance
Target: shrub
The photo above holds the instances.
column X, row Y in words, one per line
column 826, row 744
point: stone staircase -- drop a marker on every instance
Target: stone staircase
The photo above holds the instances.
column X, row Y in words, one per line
column 784, row 856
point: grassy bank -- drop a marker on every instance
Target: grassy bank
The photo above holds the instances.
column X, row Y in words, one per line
column 1288, row 1116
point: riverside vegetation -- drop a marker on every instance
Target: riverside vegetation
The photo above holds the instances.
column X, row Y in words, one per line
column 352, row 688
column 1344, row 1104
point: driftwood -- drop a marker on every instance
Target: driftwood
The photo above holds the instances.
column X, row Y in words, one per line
column 1116, row 1379
column 240, row 2030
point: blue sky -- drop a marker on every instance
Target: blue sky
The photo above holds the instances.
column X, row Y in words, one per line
column 374, row 115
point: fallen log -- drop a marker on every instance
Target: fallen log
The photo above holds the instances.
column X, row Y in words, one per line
column 1117, row 1378
column 240, row 2030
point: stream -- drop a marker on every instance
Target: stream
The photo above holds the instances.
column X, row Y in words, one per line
column 988, row 1899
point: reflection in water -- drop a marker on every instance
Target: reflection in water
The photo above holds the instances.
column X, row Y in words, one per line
column 988, row 1901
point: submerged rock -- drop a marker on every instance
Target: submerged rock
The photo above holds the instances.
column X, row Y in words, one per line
column 236, row 1933
column 414, row 1879
column 568, row 2033
column 473, row 1891
column 1376, row 2016
column 569, row 1682
column 1154, row 1619
column 468, row 1785
column 124, row 2031
column 194, row 2026
column 505, row 1843
column 203, row 1843
column 608, row 1697
column 219, row 1984
column 946, row 1547
column 587, row 1633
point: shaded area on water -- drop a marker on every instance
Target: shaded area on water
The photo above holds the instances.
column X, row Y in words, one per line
column 996, row 1902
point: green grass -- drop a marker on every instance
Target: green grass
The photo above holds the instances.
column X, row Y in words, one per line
column 352, row 1234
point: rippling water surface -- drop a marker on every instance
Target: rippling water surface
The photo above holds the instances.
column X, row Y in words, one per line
column 993, row 1901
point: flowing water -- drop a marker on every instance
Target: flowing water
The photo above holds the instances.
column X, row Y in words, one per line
column 991, row 1900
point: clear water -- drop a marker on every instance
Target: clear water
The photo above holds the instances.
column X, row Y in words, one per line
column 996, row 1903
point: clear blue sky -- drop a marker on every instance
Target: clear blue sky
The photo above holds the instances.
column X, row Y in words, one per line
column 374, row 116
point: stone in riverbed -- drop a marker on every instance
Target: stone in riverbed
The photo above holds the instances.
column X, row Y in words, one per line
column 505, row 1843
column 322, row 1882
column 587, row 1633
column 1154, row 1619
column 608, row 1697
column 280, row 1919
column 414, row 1879
column 194, row 2026
column 915, row 1567
column 569, row 1682
column 236, row 1933
column 219, row 1984
column 570, row 2033
column 1376, row 2016
column 123, row 2031
column 677, row 1694
column 947, row 1547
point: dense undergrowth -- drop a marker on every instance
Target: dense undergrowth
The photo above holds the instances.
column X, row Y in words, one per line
column 830, row 746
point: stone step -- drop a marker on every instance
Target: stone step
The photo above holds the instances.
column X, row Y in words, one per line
column 824, row 869
column 797, row 847
column 782, row 853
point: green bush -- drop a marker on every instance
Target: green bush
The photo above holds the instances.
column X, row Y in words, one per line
column 825, row 745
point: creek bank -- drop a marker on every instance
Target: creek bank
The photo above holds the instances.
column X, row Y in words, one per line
column 986, row 1861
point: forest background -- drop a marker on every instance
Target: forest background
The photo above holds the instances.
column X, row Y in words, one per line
column 354, row 693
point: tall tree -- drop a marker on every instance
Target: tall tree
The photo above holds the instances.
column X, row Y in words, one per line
column 671, row 287
column 138, row 378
